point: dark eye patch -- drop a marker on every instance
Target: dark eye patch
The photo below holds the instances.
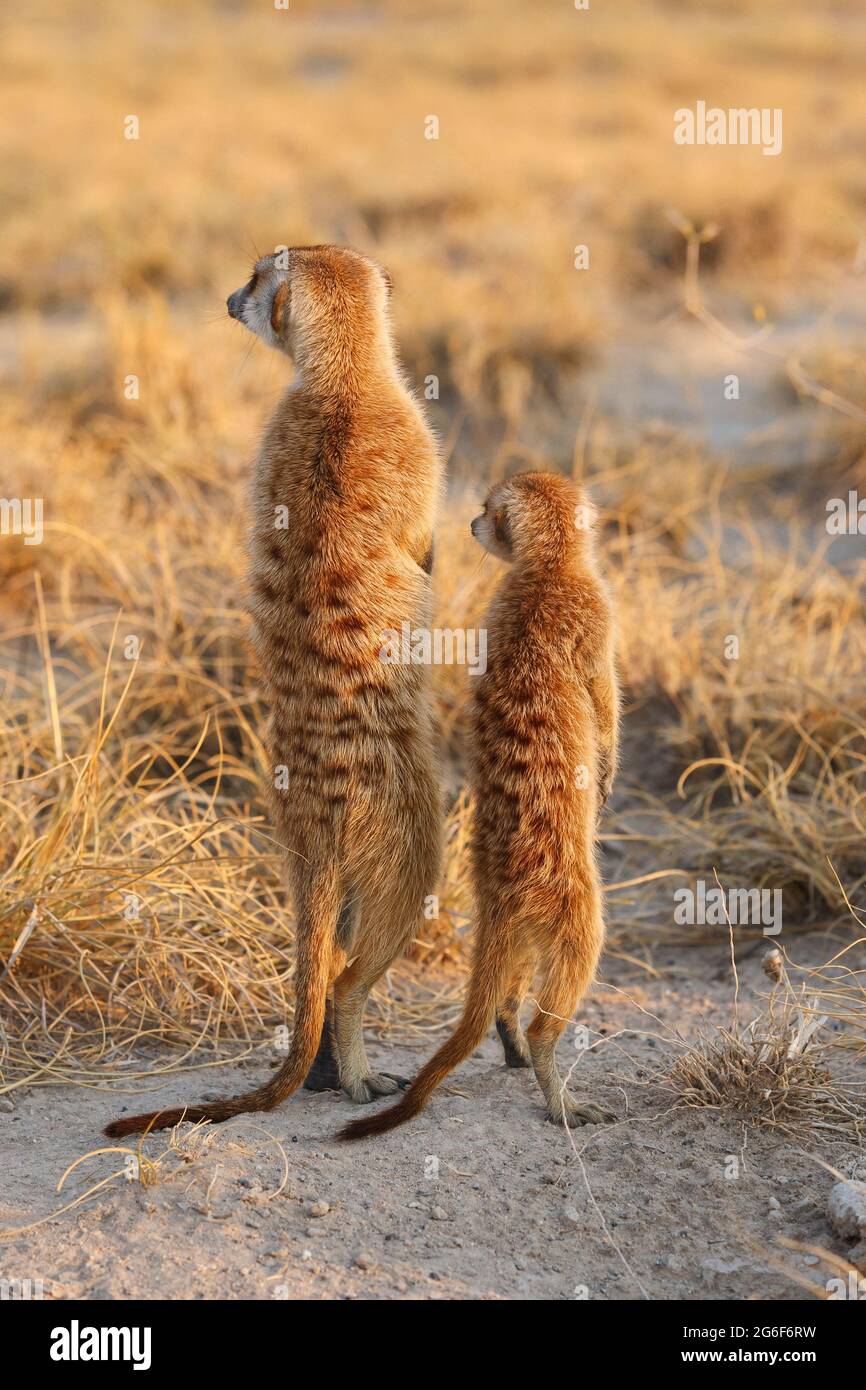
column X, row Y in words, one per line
column 254, row 280
column 500, row 527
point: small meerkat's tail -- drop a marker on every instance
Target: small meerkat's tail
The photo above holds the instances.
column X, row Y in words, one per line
column 484, row 994
column 317, row 922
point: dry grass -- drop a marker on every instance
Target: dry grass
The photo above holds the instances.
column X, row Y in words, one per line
column 142, row 919
column 781, row 1069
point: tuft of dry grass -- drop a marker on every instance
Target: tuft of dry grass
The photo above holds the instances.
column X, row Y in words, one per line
column 777, row 1070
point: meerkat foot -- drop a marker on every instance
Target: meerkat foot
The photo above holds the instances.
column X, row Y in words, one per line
column 373, row 1085
column 574, row 1113
column 514, row 1044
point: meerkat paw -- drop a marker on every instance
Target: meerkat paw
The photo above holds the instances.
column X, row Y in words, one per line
column 373, row 1085
column 574, row 1113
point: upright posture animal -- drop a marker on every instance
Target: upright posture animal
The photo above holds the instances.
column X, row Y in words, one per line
column 344, row 497
column 544, row 753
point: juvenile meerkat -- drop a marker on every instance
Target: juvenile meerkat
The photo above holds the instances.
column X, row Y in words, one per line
column 543, row 757
column 344, row 497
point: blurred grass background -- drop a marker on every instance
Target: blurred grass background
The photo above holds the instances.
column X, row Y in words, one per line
column 141, row 895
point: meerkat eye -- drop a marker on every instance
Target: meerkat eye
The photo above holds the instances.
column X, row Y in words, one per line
column 500, row 527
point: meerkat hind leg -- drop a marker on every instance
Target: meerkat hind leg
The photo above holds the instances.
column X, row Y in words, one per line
column 562, row 1107
column 357, row 1079
column 513, row 1038
column 324, row 1074
column 557, row 1001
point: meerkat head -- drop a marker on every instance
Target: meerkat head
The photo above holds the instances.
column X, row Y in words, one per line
column 306, row 300
column 542, row 517
column 492, row 528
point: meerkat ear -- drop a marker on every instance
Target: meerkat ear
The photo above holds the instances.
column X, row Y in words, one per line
column 389, row 281
column 280, row 309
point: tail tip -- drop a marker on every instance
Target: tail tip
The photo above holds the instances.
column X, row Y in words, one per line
column 380, row 1123
column 115, row 1130
column 132, row 1124
column 355, row 1129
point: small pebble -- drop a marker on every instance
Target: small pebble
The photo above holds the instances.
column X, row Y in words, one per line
column 439, row 1214
column 846, row 1207
column 318, row 1208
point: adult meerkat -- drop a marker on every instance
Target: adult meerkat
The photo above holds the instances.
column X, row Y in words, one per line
column 544, row 754
column 344, row 498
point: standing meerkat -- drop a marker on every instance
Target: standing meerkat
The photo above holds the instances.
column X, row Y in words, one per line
column 345, row 492
column 544, row 753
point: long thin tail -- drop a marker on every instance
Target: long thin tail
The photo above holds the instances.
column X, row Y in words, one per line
column 477, row 1017
column 316, row 932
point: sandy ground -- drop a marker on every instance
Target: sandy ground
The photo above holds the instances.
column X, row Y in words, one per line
column 478, row 1198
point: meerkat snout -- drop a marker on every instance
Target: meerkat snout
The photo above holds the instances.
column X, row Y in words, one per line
column 492, row 528
column 234, row 304
column 262, row 304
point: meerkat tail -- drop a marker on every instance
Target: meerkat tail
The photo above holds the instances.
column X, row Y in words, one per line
column 484, row 993
column 316, row 937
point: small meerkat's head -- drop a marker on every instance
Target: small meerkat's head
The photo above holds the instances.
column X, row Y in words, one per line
column 542, row 517
column 307, row 299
